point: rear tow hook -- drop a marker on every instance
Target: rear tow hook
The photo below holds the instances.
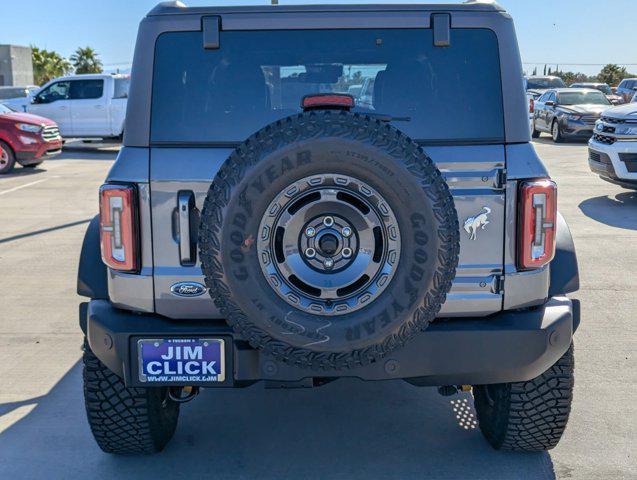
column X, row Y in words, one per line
column 176, row 394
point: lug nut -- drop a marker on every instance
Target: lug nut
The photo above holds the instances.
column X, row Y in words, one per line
column 328, row 221
column 347, row 252
column 310, row 231
column 310, row 252
column 346, row 231
column 328, row 263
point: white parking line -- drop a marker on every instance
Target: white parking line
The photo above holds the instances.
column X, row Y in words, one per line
column 24, row 186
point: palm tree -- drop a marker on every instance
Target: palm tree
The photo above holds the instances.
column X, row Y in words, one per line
column 48, row 65
column 86, row 60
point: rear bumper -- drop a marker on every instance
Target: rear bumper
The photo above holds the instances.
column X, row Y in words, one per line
column 510, row 346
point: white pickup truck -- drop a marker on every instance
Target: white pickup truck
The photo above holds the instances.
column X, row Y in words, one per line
column 83, row 106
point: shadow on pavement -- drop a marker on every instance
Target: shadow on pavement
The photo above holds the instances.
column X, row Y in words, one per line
column 617, row 211
column 347, row 429
column 44, row 230
column 546, row 139
column 19, row 171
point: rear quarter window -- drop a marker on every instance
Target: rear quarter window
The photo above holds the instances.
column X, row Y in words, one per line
column 450, row 94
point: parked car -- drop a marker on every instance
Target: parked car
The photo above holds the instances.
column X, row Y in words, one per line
column 568, row 113
column 84, row 106
column 602, row 87
column 627, row 88
column 26, row 139
column 535, row 86
column 612, row 151
column 541, row 83
column 8, row 93
column 307, row 238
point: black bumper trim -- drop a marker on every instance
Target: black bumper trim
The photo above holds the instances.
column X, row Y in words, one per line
column 507, row 347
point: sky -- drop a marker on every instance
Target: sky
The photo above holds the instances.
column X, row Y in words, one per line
column 579, row 35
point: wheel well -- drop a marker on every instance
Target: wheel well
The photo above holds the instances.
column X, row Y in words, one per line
column 2, row 140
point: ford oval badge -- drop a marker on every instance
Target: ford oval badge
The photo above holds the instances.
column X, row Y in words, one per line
column 188, row 289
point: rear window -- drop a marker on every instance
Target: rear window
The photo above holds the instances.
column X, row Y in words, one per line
column 86, row 89
column 257, row 77
column 544, row 83
column 121, row 87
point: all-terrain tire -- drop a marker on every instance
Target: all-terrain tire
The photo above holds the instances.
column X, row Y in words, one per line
column 527, row 416
column 301, row 147
column 125, row 420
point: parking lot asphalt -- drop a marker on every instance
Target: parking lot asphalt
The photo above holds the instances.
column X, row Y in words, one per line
column 347, row 429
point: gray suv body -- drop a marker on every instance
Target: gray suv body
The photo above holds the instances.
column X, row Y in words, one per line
column 206, row 79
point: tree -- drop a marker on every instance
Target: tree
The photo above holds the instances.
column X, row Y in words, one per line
column 573, row 77
column 613, row 74
column 48, row 65
column 86, row 60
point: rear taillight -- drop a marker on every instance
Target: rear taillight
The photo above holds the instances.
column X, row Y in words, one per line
column 118, row 227
column 537, row 221
column 531, row 105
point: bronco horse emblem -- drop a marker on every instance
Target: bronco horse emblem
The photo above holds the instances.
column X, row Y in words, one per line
column 480, row 221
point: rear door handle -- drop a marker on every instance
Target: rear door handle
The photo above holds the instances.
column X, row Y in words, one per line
column 187, row 217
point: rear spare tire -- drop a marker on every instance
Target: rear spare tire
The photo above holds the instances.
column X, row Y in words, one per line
column 328, row 239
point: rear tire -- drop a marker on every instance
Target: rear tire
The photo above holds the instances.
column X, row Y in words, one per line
column 126, row 420
column 7, row 158
column 527, row 416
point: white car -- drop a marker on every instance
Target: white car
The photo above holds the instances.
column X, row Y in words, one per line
column 83, row 106
column 612, row 151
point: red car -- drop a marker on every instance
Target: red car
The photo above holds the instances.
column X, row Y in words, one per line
column 26, row 139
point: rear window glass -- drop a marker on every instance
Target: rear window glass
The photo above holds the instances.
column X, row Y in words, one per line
column 86, row 89
column 543, row 83
column 257, row 77
column 121, row 87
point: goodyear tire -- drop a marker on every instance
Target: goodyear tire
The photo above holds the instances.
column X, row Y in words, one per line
column 125, row 420
column 328, row 239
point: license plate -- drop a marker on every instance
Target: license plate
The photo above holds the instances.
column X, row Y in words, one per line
column 182, row 360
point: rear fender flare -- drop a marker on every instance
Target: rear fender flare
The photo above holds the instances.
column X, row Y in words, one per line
column 92, row 280
column 564, row 270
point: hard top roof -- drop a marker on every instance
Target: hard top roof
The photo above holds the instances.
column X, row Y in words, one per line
column 179, row 8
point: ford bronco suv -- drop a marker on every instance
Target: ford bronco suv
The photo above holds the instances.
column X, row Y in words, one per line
column 262, row 224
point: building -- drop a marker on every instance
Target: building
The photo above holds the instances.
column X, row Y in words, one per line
column 16, row 67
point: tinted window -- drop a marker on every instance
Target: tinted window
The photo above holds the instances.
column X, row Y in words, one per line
column 544, row 83
column 86, row 89
column 257, row 77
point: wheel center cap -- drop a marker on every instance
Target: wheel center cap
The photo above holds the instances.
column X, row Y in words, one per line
column 328, row 244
